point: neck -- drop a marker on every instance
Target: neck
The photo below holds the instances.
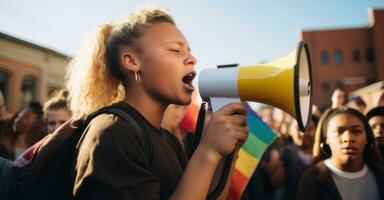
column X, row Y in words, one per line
column 150, row 108
column 349, row 166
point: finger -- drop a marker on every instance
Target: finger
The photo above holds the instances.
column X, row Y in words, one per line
column 242, row 137
column 242, row 133
column 233, row 108
column 240, row 120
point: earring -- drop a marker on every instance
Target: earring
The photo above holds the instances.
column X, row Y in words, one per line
column 137, row 77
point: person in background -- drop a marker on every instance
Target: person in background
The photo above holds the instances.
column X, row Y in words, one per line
column 295, row 158
column 6, row 131
column 28, row 127
column 339, row 98
column 376, row 120
column 56, row 111
column 348, row 165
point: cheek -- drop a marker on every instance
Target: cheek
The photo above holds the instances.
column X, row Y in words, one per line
column 333, row 142
column 363, row 140
column 159, row 76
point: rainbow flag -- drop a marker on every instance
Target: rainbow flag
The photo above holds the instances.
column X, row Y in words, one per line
column 260, row 137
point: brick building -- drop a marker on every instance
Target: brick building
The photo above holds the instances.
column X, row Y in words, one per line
column 28, row 71
column 348, row 58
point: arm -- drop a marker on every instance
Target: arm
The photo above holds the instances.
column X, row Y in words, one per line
column 226, row 131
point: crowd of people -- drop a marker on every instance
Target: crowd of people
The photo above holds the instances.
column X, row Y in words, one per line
column 340, row 156
column 23, row 129
column 144, row 66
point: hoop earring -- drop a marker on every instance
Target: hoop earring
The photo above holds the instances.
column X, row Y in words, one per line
column 137, row 77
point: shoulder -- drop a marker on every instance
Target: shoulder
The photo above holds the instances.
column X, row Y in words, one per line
column 111, row 125
column 109, row 132
column 319, row 169
column 309, row 186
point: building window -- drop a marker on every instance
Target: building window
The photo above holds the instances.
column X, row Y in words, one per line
column 338, row 57
column 324, row 58
column 4, row 82
column 28, row 90
column 356, row 56
column 369, row 55
column 326, row 87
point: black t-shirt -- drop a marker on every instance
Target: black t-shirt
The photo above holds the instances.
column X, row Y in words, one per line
column 131, row 159
column 294, row 167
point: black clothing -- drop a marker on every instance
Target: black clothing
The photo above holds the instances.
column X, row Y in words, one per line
column 127, row 160
column 294, row 167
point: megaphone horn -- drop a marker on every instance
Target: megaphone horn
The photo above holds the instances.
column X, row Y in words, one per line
column 284, row 83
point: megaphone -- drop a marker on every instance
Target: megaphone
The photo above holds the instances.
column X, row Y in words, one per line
column 284, row 83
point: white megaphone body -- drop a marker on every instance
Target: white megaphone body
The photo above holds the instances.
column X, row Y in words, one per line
column 284, row 83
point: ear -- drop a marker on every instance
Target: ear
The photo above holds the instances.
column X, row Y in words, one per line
column 129, row 61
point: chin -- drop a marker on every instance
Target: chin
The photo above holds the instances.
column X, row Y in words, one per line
column 183, row 103
column 351, row 158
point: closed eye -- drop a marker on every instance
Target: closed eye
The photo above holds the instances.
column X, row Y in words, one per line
column 175, row 50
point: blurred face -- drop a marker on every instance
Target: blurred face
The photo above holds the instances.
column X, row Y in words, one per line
column 24, row 121
column 303, row 140
column 56, row 118
column 346, row 138
column 377, row 125
column 167, row 65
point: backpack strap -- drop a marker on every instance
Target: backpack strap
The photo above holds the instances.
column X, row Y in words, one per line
column 71, row 131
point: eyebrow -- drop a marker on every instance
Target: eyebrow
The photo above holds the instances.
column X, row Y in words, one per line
column 353, row 126
column 356, row 126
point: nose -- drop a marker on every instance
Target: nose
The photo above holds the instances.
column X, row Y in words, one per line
column 379, row 129
column 190, row 60
column 348, row 136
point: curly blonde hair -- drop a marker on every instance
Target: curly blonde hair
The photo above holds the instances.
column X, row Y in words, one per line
column 94, row 77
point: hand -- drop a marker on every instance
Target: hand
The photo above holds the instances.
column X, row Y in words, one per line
column 338, row 98
column 226, row 130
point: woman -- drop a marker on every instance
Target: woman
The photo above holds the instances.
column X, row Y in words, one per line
column 352, row 168
column 56, row 111
column 146, row 57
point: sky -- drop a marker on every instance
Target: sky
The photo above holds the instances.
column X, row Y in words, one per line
column 218, row 31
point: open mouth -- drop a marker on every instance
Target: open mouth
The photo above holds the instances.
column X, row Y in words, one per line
column 187, row 80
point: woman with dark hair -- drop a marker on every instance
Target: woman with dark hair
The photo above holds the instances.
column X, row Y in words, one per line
column 348, row 165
